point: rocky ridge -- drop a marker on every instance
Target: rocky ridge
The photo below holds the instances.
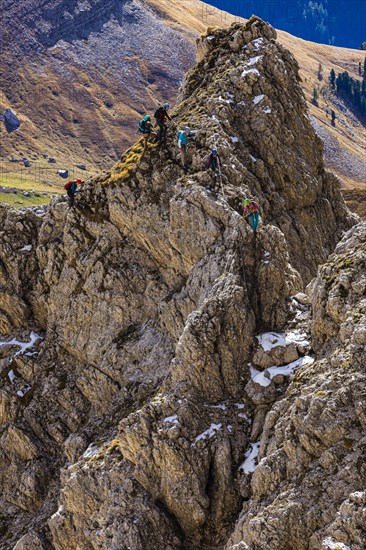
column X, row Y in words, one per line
column 178, row 390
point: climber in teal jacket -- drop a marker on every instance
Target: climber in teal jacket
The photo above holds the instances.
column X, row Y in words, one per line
column 182, row 137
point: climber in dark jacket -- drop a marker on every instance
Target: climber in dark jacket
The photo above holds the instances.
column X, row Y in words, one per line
column 214, row 162
column 161, row 116
column 71, row 190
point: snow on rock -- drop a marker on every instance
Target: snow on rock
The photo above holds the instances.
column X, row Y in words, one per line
column 257, row 43
column 270, row 340
column 92, row 450
column 258, row 99
column 250, row 459
column 249, row 71
column 253, row 60
column 26, row 248
column 24, row 346
column 221, row 406
column 234, row 139
column 21, row 393
column 267, row 110
column 172, row 419
column 253, row 159
column 331, row 544
column 210, row 432
column 229, row 101
column 11, row 375
column 263, row 378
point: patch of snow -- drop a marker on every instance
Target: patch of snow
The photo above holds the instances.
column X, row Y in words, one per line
column 357, row 494
column 242, row 415
column 270, row 340
column 210, row 432
column 59, row 512
column 240, row 546
column 172, row 419
column 24, row 346
column 239, row 405
column 21, row 393
column 91, row 451
column 242, row 103
column 26, row 248
column 263, row 378
column 253, row 159
column 229, row 101
column 249, row 71
column 254, row 60
column 266, row 254
column 99, row 532
column 229, row 428
column 267, row 110
column 250, row 464
column 257, row 99
column 11, row 375
column 215, row 119
column 333, row 545
column 258, row 42
column 234, row 139
column 211, row 38
column 221, row 406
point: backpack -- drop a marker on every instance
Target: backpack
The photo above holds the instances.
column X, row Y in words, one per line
column 159, row 114
column 142, row 127
column 68, row 185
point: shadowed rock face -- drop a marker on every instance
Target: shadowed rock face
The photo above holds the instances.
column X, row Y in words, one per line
column 140, row 415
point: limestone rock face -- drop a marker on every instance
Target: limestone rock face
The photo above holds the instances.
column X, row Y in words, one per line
column 307, row 488
column 137, row 411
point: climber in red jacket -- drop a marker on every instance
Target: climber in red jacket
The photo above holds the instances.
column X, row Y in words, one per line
column 251, row 211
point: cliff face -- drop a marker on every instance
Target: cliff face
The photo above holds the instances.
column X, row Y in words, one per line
column 135, row 421
column 308, row 489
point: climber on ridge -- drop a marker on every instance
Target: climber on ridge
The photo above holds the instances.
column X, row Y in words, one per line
column 182, row 137
column 251, row 211
column 71, row 189
column 214, row 162
column 145, row 127
column 161, row 116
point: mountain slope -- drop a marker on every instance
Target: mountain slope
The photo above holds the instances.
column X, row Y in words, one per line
column 80, row 76
column 132, row 423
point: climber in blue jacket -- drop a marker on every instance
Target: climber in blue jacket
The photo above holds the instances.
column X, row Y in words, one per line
column 182, row 137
